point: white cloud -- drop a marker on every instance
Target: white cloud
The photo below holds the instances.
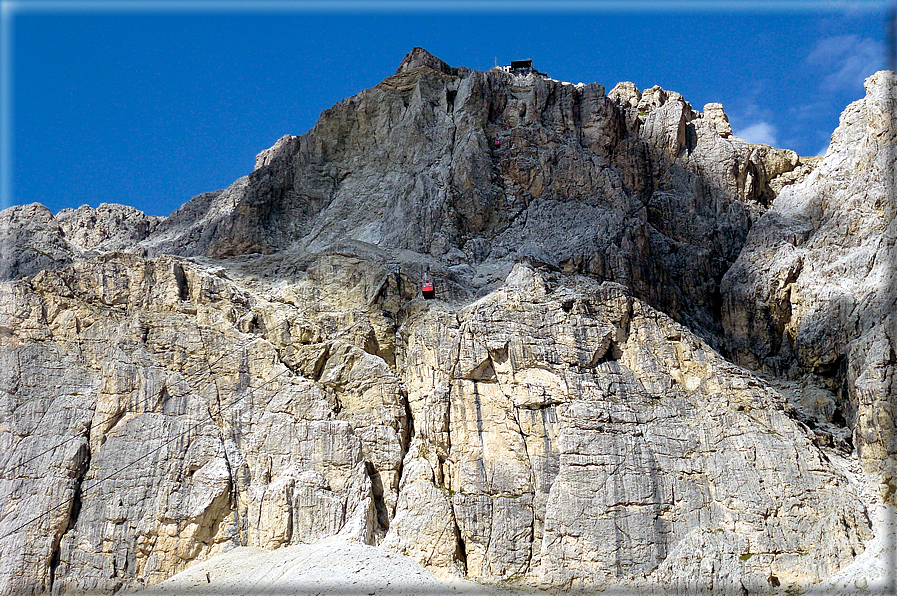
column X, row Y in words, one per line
column 849, row 60
column 760, row 132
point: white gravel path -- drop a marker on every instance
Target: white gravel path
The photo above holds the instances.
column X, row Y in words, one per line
column 330, row 567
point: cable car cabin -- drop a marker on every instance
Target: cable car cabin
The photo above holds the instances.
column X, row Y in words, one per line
column 427, row 290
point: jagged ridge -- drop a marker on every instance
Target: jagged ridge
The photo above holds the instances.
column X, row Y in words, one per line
column 558, row 431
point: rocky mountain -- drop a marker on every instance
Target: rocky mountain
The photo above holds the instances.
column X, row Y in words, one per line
column 812, row 294
column 650, row 339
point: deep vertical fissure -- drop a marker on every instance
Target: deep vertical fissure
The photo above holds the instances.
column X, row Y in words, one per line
column 181, row 280
column 406, row 442
column 409, row 427
column 54, row 564
column 79, row 470
column 462, row 547
column 377, row 493
column 76, row 508
column 82, row 464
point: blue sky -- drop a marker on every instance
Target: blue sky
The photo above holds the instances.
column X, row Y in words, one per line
column 149, row 104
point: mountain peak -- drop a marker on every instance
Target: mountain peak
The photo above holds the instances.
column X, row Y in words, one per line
column 418, row 57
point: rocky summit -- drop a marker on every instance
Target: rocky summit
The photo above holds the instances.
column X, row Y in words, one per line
column 653, row 345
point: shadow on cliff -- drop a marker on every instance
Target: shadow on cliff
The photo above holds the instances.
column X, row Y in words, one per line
column 468, row 167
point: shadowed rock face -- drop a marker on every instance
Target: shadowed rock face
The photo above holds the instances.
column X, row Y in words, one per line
column 257, row 369
column 640, row 190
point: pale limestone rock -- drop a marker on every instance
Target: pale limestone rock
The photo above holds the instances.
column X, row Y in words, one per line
column 108, row 227
column 282, row 149
column 424, row 527
column 714, row 113
column 234, row 447
column 655, row 97
column 578, row 182
column 805, row 165
column 542, row 423
column 332, row 567
column 581, row 420
column 812, row 292
column 665, row 127
column 548, row 411
column 31, row 240
column 625, row 94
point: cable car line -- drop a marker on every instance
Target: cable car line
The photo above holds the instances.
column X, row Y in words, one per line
column 144, row 402
column 144, row 456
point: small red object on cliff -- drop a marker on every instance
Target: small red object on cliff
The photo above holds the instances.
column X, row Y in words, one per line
column 427, row 289
column 497, row 144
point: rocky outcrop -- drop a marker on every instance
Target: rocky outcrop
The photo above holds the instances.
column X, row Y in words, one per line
column 170, row 427
column 419, row 57
column 630, row 187
column 31, row 241
column 812, row 293
column 584, row 439
column 717, row 116
column 259, row 370
column 188, row 412
column 108, row 227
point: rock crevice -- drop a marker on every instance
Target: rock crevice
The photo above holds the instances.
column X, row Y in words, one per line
column 259, row 370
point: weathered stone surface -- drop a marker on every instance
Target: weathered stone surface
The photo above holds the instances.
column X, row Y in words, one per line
column 31, row 240
column 425, row 528
column 630, row 187
column 108, row 227
column 717, row 116
column 625, row 94
column 419, row 57
column 332, row 567
column 258, row 369
column 812, row 293
column 186, row 431
column 600, row 436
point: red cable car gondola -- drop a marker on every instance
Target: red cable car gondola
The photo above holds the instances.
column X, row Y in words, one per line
column 427, row 290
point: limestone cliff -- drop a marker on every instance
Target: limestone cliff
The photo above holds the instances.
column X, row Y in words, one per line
column 812, row 295
column 258, row 369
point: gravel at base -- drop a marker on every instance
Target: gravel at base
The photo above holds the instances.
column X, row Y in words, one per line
column 332, row 566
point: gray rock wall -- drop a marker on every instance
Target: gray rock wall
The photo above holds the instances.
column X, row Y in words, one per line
column 812, row 295
column 258, row 369
column 556, row 431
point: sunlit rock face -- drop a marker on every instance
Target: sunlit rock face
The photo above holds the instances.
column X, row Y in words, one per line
column 583, row 438
column 259, row 369
column 812, row 295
